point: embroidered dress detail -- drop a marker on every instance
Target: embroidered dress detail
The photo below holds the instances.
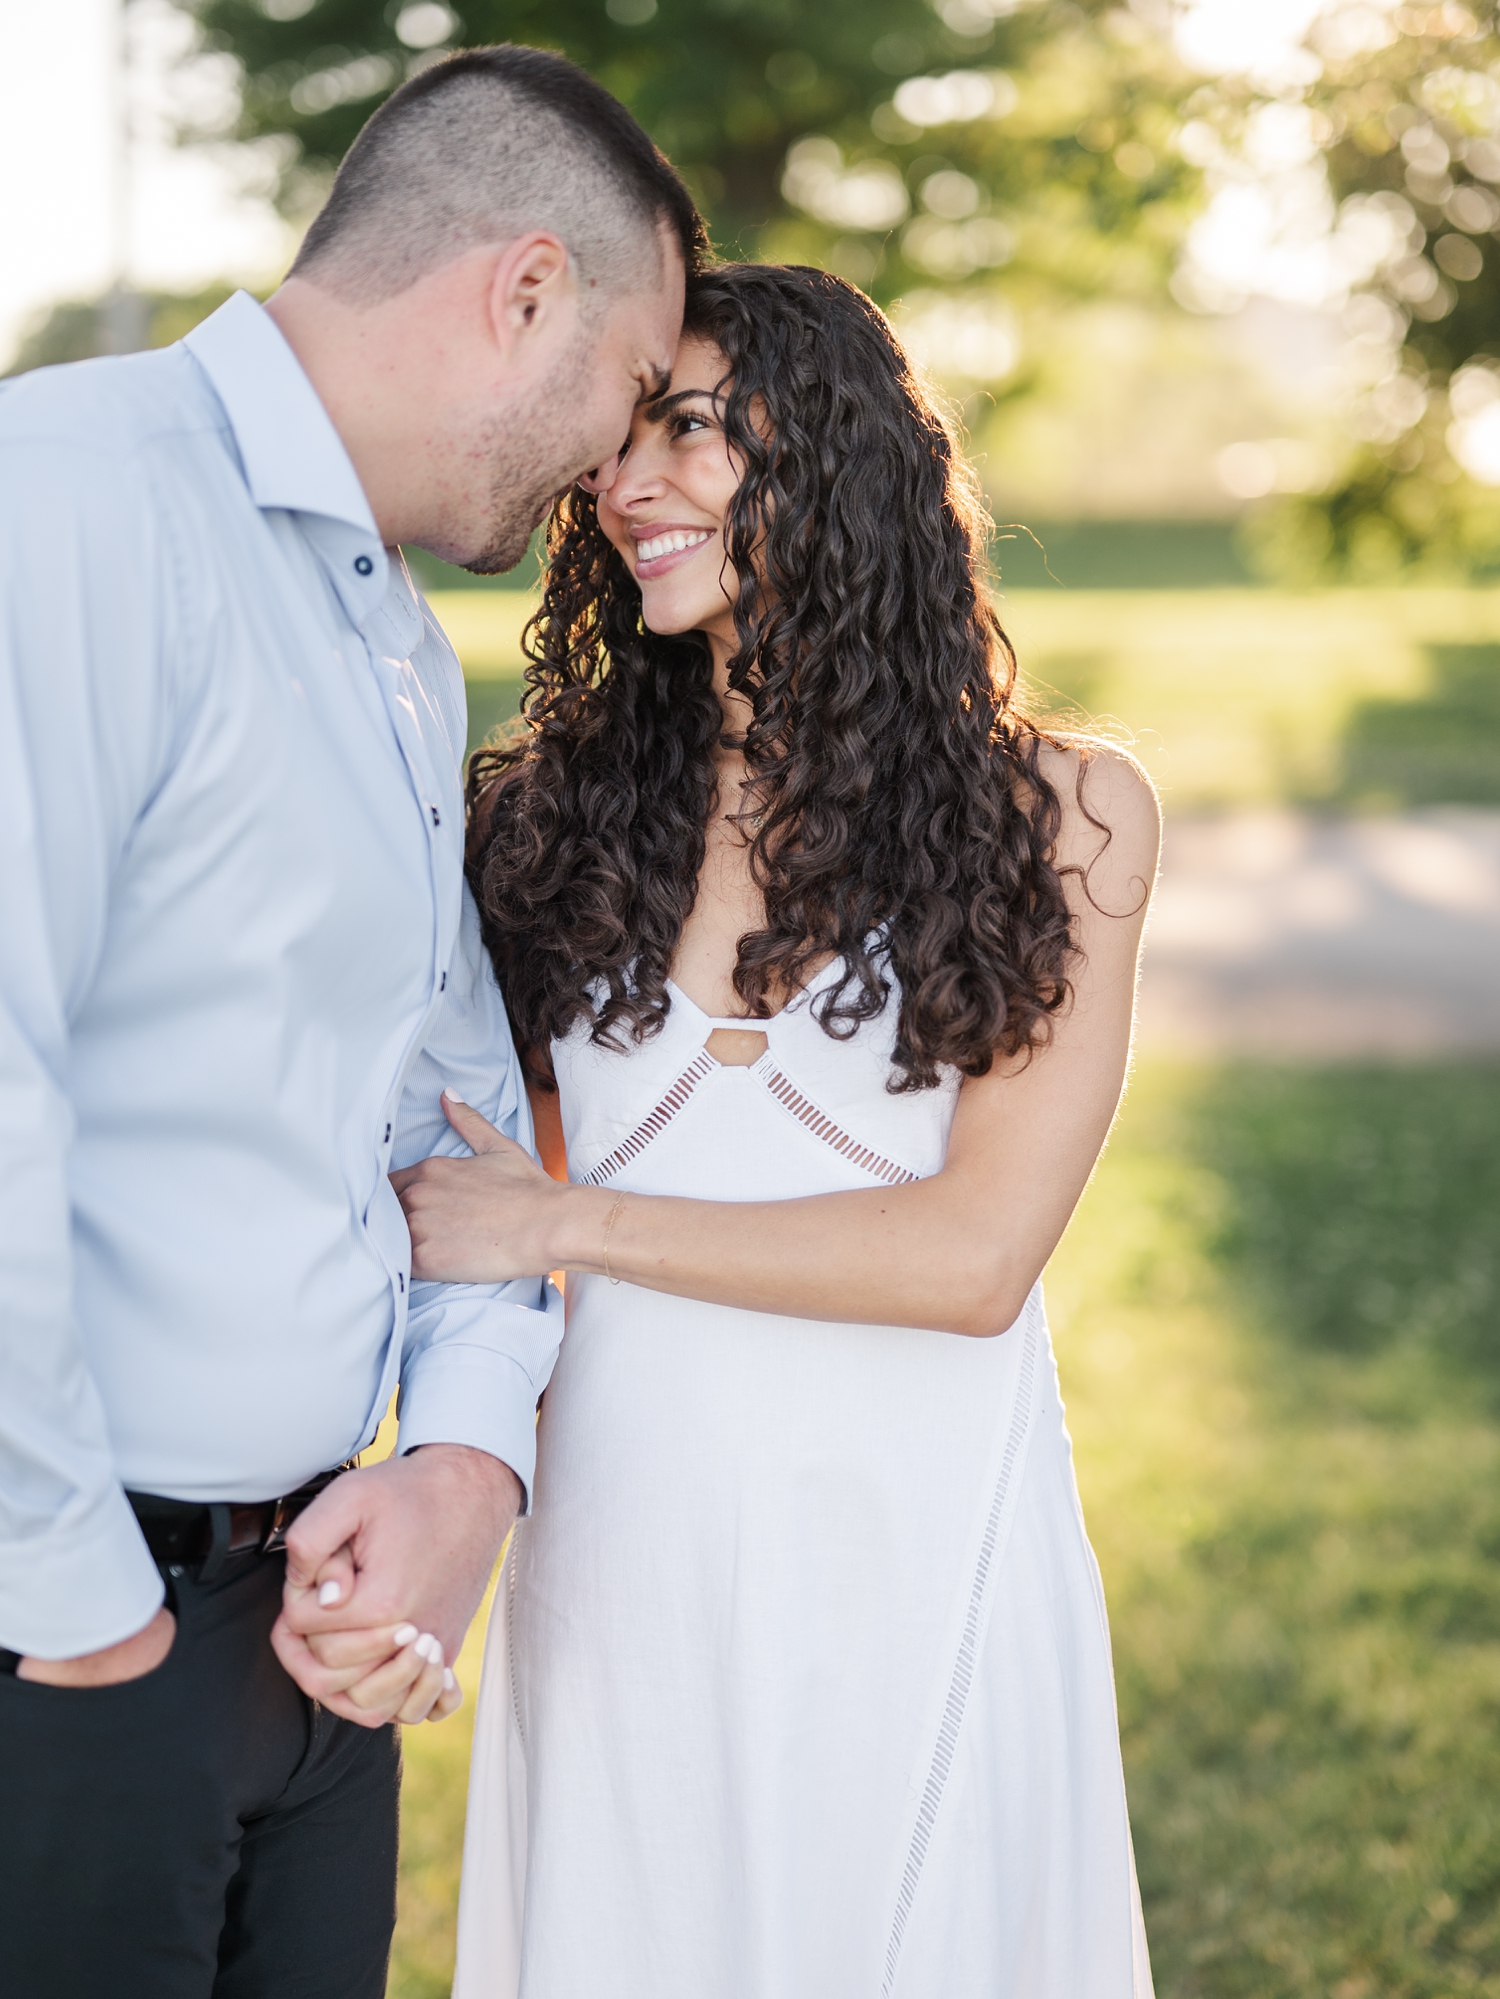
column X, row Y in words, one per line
column 515, row 1682
column 650, row 1127
column 805, row 1111
column 968, row 1652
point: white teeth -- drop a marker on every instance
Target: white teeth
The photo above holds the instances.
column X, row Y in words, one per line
column 668, row 544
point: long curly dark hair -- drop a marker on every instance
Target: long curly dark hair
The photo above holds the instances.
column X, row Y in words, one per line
column 901, row 820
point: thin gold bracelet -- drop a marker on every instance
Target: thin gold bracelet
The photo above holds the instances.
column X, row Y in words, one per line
column 609, row 1224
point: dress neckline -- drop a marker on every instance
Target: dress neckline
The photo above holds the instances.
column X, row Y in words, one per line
column 746, row 1023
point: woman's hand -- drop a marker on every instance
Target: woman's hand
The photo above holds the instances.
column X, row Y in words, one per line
column 487, row 1219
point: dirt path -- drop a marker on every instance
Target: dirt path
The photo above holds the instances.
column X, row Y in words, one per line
column 1284, row 933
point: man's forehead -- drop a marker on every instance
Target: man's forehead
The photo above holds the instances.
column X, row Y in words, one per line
column 654, row 311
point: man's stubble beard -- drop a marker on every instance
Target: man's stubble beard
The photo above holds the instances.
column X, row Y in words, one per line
column 532, row 462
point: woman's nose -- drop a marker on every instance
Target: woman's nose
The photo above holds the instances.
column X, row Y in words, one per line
column 632, row 477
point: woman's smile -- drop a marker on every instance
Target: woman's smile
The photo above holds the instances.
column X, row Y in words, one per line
column 659, row 548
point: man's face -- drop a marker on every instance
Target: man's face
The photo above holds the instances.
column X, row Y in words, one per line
column 580, row 415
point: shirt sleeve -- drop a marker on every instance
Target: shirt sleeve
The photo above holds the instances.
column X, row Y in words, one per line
column 85, row 737
column 476, row 1357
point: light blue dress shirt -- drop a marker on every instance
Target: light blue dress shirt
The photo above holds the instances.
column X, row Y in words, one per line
column 237, row 965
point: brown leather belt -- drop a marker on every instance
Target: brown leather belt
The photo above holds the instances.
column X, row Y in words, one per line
column 185, row 1533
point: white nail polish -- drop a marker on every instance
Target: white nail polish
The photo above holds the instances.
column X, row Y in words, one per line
column 330, row 1593
column 454, row 1098
column 428, row 1648
column 449, row 1683
column 403, row 1634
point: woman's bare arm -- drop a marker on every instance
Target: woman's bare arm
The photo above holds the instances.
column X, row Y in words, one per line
column 957, row 1252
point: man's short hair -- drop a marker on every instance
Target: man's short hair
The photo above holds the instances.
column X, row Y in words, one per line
column 479, row 148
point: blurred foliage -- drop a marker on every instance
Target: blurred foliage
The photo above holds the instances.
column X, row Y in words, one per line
column 1383, row 520
column 899, row 144
column 1403, row 103
column 1415, row 122
column 78, row 330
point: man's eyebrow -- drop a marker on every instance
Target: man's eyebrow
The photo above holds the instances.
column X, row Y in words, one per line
column 660, row 383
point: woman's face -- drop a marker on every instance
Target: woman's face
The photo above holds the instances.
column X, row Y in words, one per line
column 664, row 510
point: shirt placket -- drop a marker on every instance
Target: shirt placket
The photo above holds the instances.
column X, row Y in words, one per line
column 441, row 807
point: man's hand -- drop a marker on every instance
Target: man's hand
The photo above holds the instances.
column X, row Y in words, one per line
column 131, row 1659
column 384, row 1573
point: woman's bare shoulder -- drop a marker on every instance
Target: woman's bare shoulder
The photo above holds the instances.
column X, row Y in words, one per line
column 1111, row 815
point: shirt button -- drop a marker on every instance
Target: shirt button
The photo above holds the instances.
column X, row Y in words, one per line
column 363, row 566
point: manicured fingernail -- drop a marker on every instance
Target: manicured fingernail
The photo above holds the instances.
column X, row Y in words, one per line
column 330, row 1592
column 429, row 1649
column 449, row 1683
column 403, row 1634
column 454, row 1098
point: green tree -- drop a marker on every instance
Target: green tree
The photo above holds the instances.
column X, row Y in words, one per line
column 1404, row 103
column 997, row 148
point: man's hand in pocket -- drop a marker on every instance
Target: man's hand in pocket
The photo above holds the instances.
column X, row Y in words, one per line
column 131, row 1659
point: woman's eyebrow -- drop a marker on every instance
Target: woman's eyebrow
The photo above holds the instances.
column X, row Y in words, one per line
column 658, row 411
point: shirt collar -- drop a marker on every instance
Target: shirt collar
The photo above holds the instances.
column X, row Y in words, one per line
column 293, row 458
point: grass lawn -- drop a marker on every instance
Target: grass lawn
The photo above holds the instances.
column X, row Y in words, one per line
column 1277, row 1318
column 1232, row 697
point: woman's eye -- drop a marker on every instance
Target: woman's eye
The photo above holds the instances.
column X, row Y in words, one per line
column 687, row 422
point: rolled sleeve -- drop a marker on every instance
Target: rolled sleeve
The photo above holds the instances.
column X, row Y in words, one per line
column 475, row 1357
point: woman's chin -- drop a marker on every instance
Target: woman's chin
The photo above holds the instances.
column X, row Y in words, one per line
column 668, row 621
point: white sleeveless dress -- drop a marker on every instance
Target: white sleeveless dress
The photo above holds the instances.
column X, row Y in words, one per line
column 798, row 1680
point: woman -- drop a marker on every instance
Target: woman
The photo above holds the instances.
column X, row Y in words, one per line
column 798, row 1684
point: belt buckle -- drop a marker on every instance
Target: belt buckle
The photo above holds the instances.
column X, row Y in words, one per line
column 283, row 1513
column 286, row 1509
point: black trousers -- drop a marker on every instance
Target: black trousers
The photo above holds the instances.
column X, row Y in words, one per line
column 204, row 1832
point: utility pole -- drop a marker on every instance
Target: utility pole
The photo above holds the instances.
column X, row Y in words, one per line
column 125, row 318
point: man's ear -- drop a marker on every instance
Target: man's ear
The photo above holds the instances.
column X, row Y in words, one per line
column 534, row 291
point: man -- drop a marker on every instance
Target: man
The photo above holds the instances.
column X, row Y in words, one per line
column 237, row 968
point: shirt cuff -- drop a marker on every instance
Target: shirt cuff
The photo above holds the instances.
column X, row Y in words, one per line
column 462, row 1393
column 78, row 1587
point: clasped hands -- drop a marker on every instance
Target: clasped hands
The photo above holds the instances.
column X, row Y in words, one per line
column 384, row 1572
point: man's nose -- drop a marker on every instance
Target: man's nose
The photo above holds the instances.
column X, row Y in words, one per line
column 603, row 475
